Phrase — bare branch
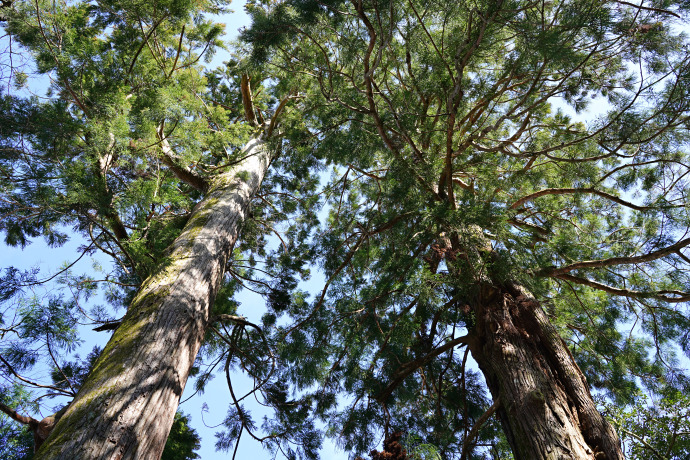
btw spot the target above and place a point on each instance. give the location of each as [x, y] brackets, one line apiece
[408, 368]
[248, 100]
[573, 191]
[675, 248]
[108, 326]
[475, 428]
[235, 319]
[648, 8]
[274, 118]
[171, 161]
[17, 417]
[32, 383]
[660, 295]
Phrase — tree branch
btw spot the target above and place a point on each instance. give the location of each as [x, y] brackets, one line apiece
[408, 368]
[108, 326]
[476, 427]
[572, 191]
[104, 162]
[648, 8]
[37, 385]
[248, 100]
[145, 41]
[235, 319]
[643, 442]
[522, 224]
[171, 161]
[17, 417]
[279, 109]
[675, 248]
[660, 295]
[369, 68]
[179, 49]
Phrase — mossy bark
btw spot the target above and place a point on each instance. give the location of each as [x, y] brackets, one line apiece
[546, 409]
[126, 407]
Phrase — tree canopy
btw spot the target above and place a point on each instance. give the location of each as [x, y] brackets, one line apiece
[502, 235]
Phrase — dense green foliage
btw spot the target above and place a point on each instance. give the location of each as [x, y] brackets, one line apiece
[655, 429]
[552, 135]
[183, 440]
[502, 141]
[16, 441]
[134, 127]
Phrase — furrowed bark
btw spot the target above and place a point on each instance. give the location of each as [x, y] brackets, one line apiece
[125, 408]
[546, 409]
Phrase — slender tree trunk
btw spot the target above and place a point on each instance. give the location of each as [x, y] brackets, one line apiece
[546, 409]
[126, 407]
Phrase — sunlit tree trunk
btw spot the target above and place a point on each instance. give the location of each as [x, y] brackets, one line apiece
[546, 409]
[126, 407]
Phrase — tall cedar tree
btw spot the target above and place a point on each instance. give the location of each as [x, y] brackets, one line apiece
[470, 200]
[153, 163]
[466, 203]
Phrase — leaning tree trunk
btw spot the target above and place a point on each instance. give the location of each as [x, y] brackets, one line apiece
[546, 409]
[125, 408]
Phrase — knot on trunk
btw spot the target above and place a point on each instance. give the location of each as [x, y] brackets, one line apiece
[42, 429]
[599, 454]
[392, 449]
[526, 302]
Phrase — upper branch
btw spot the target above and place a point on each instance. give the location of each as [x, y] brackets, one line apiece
[658, 254]
[572, 191]
[369, 68]
[660, 295]
[169, 158]
[248, 100]
[408, 368]
[648, 8]
[32, 383]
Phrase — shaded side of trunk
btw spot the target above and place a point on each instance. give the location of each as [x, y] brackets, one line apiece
[126, 407]
[546, 409]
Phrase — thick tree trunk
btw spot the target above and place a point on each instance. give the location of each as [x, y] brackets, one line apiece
[546, 409]
[126, 407]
